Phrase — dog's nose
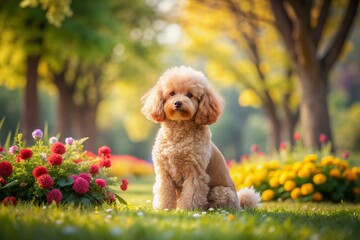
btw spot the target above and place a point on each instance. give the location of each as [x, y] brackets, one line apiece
[177, 104]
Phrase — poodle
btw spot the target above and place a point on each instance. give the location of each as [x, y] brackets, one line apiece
[191, 173]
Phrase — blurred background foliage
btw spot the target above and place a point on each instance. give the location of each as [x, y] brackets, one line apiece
[82, 66]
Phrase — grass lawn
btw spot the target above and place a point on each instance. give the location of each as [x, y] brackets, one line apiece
[138, 221]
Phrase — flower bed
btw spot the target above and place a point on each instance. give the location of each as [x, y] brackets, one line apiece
[56, 172]
[316, 177]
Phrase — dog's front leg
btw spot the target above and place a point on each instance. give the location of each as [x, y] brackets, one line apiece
[194, 192]
[164, 192]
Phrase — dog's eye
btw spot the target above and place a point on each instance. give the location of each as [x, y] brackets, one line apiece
[172, 93]
[189, 95]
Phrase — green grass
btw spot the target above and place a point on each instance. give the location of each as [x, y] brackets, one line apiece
[139, 221]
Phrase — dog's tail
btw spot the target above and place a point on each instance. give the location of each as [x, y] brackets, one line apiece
[248, 198]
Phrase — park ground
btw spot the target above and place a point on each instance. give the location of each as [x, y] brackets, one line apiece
[274, 220]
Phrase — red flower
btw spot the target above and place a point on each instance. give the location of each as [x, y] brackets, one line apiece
[105, 163]
[323, 138]
[124, 184]
[254, 148]
[346, 154]
[104, 151]
[81, 186]
[296, 136]
[54, 195]
[9, 201]
[1, 149]
[85, 176]
[55, 159]
[3, 182]
[45, 181]
[26, 153]
[100, 182]
[39, 170]
[94, 169]
[5, 169]
[58, 148]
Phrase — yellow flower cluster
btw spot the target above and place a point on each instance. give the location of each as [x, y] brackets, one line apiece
[313, 178]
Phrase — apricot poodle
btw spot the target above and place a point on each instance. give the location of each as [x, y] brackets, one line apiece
[191, 172]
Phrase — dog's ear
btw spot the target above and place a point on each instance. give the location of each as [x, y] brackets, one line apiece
[153, 104]
[210, 107]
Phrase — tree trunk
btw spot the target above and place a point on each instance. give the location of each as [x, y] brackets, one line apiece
[30, 112]
[86, 125]
[314, 112]
[66, 109]
[273, 141]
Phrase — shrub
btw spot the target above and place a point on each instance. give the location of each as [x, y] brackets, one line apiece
[55, 172]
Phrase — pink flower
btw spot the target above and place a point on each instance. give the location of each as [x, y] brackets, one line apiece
[39, 170]
[283, 145]
[346, 154]
[6, 169]
[124, 184]
[105, 163]
[45, 181]
[100, 182]
[54, 195]
[9, 201]
[104, 151]
[254, 148]
[55, 159]
[85, 176]
[296, 136]
[58, 148]
[323, 138]
[81, 186]
[94, 169]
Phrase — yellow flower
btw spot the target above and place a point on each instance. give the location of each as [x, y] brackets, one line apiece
[344, 164]
[274, 182]
[249, 180]
[267, 195]
[303, 173]
[349, 175]
[319, 179]
[273, 164]
[289, 185]
[310, 167]
[356, 190]
[310, 158]
[356, 171]
[283, 177]
[230, 217]
[306, 189]
[328, 160]
[335, 173]
[317, 197]
[297, 165]
[295, 193]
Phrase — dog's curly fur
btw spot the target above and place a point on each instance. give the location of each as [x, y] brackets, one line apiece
[191, 172]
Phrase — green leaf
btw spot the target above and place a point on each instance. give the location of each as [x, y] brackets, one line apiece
[85, 201]
[121, 200]
[10, 184]
[65, 181]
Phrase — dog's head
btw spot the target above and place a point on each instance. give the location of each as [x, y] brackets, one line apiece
[182, 93]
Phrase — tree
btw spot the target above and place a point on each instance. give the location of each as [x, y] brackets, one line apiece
[29, 23]
[261, 71]
[303, 35]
